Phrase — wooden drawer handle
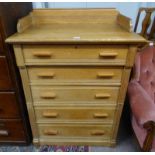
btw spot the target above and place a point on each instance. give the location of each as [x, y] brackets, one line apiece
[42, 54]
[100, 115]
[45, 75]
[105, 75]
[4, 133]
[50, 114]
[101, 96]
[48, 95]
[97, 133]
[50, 132]
[108, 55]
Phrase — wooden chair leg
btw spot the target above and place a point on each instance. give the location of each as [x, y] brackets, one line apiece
[150, 127]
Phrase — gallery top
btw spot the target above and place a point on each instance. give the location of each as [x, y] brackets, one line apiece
[99, 26]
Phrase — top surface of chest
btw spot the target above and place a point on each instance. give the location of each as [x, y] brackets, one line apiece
[75, 26]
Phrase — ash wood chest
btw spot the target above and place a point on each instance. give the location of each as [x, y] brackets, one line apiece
[75, 66]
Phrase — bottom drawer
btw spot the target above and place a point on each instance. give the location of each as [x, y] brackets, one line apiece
[11, 131]
[72, 130]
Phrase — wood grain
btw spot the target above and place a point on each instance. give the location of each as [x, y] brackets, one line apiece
[72, 94]
[63, 130]
[76, 26]
[74, 54]
[125, 22]
[65, 74]
[75, 74]
[102, 114]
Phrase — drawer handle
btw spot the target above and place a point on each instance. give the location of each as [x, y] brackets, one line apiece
[4, 133]
[42, 54]
[48, 95]
[101, 96]
[50, 132]
[45, 75]
[100, 115]
[97, 133]
[108, 55]
[105, 75]
[50, 114]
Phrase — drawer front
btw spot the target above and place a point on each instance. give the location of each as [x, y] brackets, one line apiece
[8, 105]
[75, 54]
[65, 130]
[1, 40]
[72, 94]
[11, 131]
[75, 113]
[75, 74]
[1, 45]
[5, 79]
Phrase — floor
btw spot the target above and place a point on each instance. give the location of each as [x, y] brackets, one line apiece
[126, 142]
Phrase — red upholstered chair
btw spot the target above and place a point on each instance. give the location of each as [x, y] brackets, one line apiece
[141, 92]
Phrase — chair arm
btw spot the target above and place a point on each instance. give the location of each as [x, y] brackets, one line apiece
[142, 106]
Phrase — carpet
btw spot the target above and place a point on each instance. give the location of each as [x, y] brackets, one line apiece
[64, 148]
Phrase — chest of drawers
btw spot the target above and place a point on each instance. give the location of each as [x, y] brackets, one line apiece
[14, 123]
[75, 66]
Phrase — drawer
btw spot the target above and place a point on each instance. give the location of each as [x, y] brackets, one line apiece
[1, 40]
[5, 79]
[8, 105]
[11, 131]
[75, 74]
[1, 45]
[69, 130]
[107, 54]
[73, 94]
[102, 114]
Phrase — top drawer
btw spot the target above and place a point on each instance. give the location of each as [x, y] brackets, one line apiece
[80, 54]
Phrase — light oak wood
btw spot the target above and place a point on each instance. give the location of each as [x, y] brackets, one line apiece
[45, 16]
[72, 94]
[48, 95]
[71, 114]
[19, 55]
[75, 54]
[75, 66]
[62, 130]
[24, 23]
[65, 74]
[125, 22]
[75, 26]
[42, 54]
[50, 132]
[47, 114]
[121, 98]
[108, 55]
[102, 95]
[81, 141]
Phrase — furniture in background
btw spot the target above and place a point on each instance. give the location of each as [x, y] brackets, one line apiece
[146, 23]
[14, 122]
[141, 92]
[75, 66]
